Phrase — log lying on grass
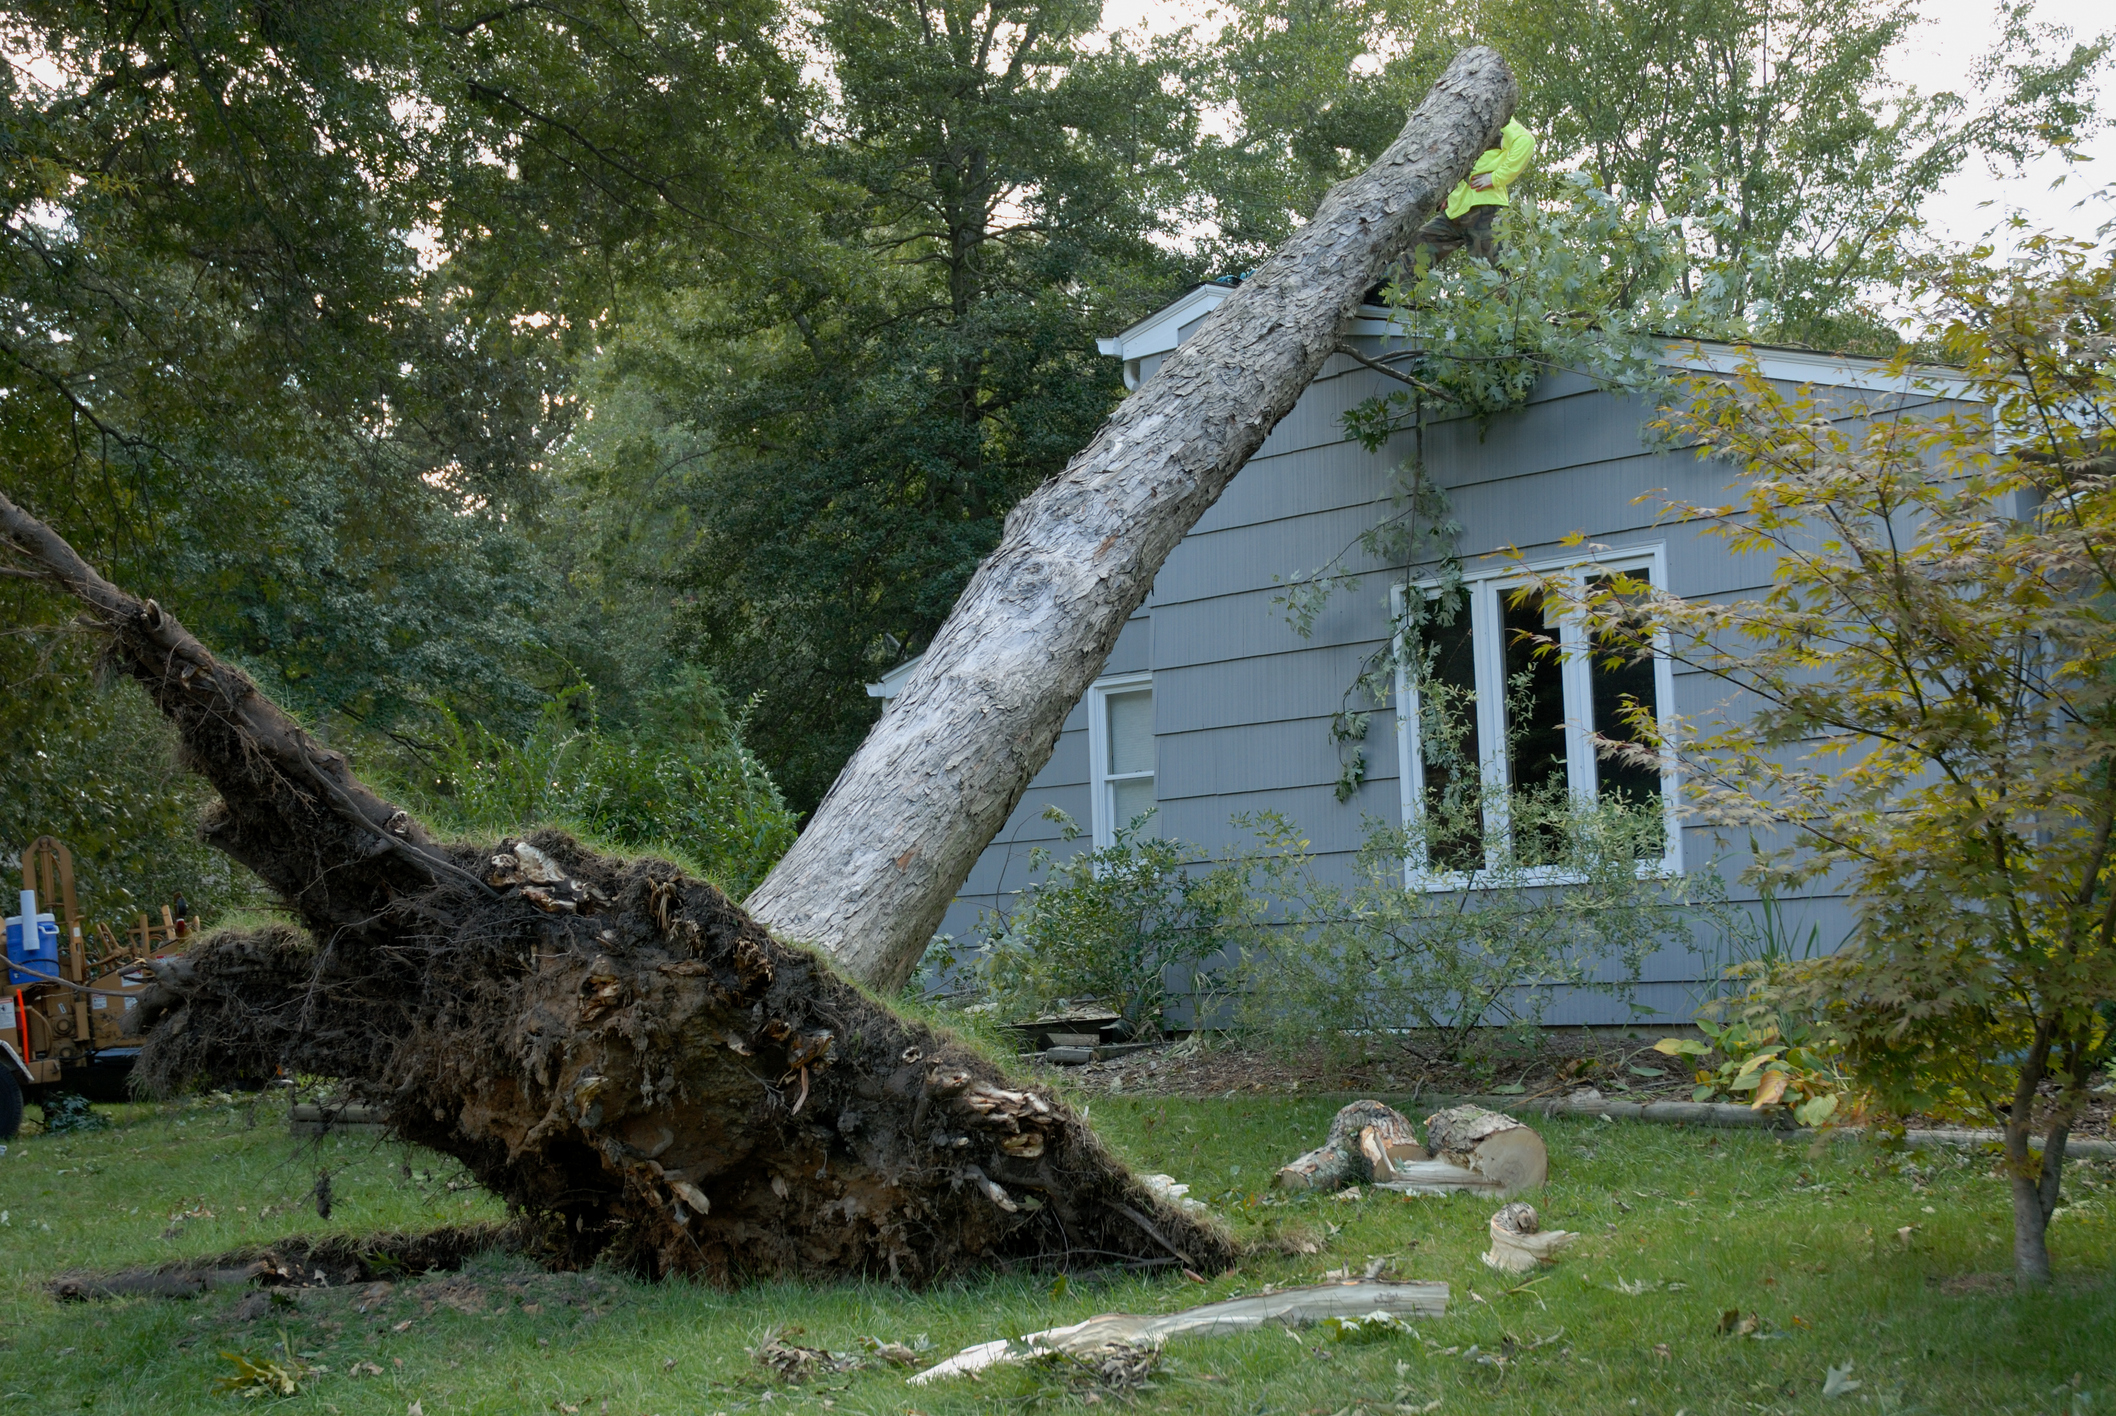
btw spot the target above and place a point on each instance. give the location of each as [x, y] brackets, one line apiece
[1504, 1155]
[1467, 1150]
[1289, 1307]
[621, 1053]
[1366, 1139]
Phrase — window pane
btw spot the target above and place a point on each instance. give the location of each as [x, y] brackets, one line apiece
[1535, 728]
[1131, 731]
[1134, 797]
[1445, 672]
[1620, 683]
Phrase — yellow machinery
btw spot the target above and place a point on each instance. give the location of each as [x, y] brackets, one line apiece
[68, 990]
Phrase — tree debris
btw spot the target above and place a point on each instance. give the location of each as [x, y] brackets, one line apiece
[1353, 1298]
[1475, 1150]
[1469, 1150]
[1365, 1141]
[1520, 1244]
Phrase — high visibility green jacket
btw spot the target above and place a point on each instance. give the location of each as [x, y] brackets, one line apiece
[1505, 163]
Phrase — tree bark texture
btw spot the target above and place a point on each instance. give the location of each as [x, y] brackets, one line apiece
[937, 777]
[635, 1065]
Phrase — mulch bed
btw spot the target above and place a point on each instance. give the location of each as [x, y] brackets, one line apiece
[1617, 1062]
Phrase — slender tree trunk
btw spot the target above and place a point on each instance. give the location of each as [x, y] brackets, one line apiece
[936, 779]
[2034, 1180]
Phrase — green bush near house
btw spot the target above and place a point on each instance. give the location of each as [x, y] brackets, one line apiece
[1135, 925]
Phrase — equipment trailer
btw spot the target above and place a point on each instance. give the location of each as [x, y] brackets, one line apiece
[68, 991]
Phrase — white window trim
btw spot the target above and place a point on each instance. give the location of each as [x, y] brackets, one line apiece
[1102, 804]
[1488, 655]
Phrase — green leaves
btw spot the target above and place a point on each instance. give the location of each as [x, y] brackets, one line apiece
[1134, 925]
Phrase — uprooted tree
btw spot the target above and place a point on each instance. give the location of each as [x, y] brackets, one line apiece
[630, 1061]
[636, 1065]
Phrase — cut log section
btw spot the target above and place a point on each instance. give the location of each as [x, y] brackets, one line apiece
[1367, 1141]
[618, 1051]
[1520, 1244]
[1352, 1298]
[1506, 1156]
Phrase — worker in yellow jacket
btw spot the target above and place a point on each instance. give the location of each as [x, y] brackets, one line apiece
[1467, 218]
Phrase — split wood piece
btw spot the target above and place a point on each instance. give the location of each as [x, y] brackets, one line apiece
[1292, 1307]
[1490, 1144]
[1520, 1244]
[1367, 1142]
[938, 775]
[619, 1052]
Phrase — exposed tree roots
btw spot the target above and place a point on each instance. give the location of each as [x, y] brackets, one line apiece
[637, 1067]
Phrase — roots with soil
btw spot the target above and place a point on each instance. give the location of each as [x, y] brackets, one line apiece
[636, 1066]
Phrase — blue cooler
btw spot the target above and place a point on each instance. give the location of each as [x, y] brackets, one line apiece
[40, 951]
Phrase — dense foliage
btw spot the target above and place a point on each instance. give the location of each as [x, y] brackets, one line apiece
[677, 781]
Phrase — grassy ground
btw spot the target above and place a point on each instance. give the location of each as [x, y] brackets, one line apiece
[1847, 1259]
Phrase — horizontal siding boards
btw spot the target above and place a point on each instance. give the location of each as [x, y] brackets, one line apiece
[1132, 654]
[1275, 488]
[1305, 684]
[1248, 625]
[1264, 554]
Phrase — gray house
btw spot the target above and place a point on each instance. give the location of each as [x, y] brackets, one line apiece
[1212, 704]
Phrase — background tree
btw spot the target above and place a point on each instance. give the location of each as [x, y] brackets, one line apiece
[1923, 706]
[844, 431]
[1770, 133]
[289, 291]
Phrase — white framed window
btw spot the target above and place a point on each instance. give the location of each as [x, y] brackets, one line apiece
[1120, 749]
[1525, 720]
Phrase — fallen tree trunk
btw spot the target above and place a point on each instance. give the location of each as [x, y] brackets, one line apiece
[936, 779]
[634, 1064]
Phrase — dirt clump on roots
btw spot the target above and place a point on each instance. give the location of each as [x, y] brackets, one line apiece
[638, 1068]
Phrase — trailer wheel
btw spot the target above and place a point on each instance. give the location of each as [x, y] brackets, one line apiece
[10, 1102]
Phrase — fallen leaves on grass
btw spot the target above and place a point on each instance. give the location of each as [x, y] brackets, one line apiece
[1119, 1371]
[1367, 1329]
[258, 1376]
[1632, 1288]
[790, 1362]
[1839, 1381]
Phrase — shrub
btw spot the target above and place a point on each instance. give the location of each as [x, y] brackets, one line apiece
[1133, 926]
[1928, 694]
[1434, 963]
[679, 781]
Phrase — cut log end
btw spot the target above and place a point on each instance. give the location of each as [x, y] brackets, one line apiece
[1511, 1157]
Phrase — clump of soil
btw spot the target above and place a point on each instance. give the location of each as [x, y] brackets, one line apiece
[630, 1061]
[303, 1261]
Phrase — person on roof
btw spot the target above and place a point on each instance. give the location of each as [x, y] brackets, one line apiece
[1467, 218]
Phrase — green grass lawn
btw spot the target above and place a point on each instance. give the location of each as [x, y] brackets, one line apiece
[1679, 1227]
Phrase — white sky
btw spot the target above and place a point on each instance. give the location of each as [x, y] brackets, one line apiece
[1939, 55]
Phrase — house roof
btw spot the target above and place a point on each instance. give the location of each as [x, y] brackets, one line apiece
[1161, 331]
